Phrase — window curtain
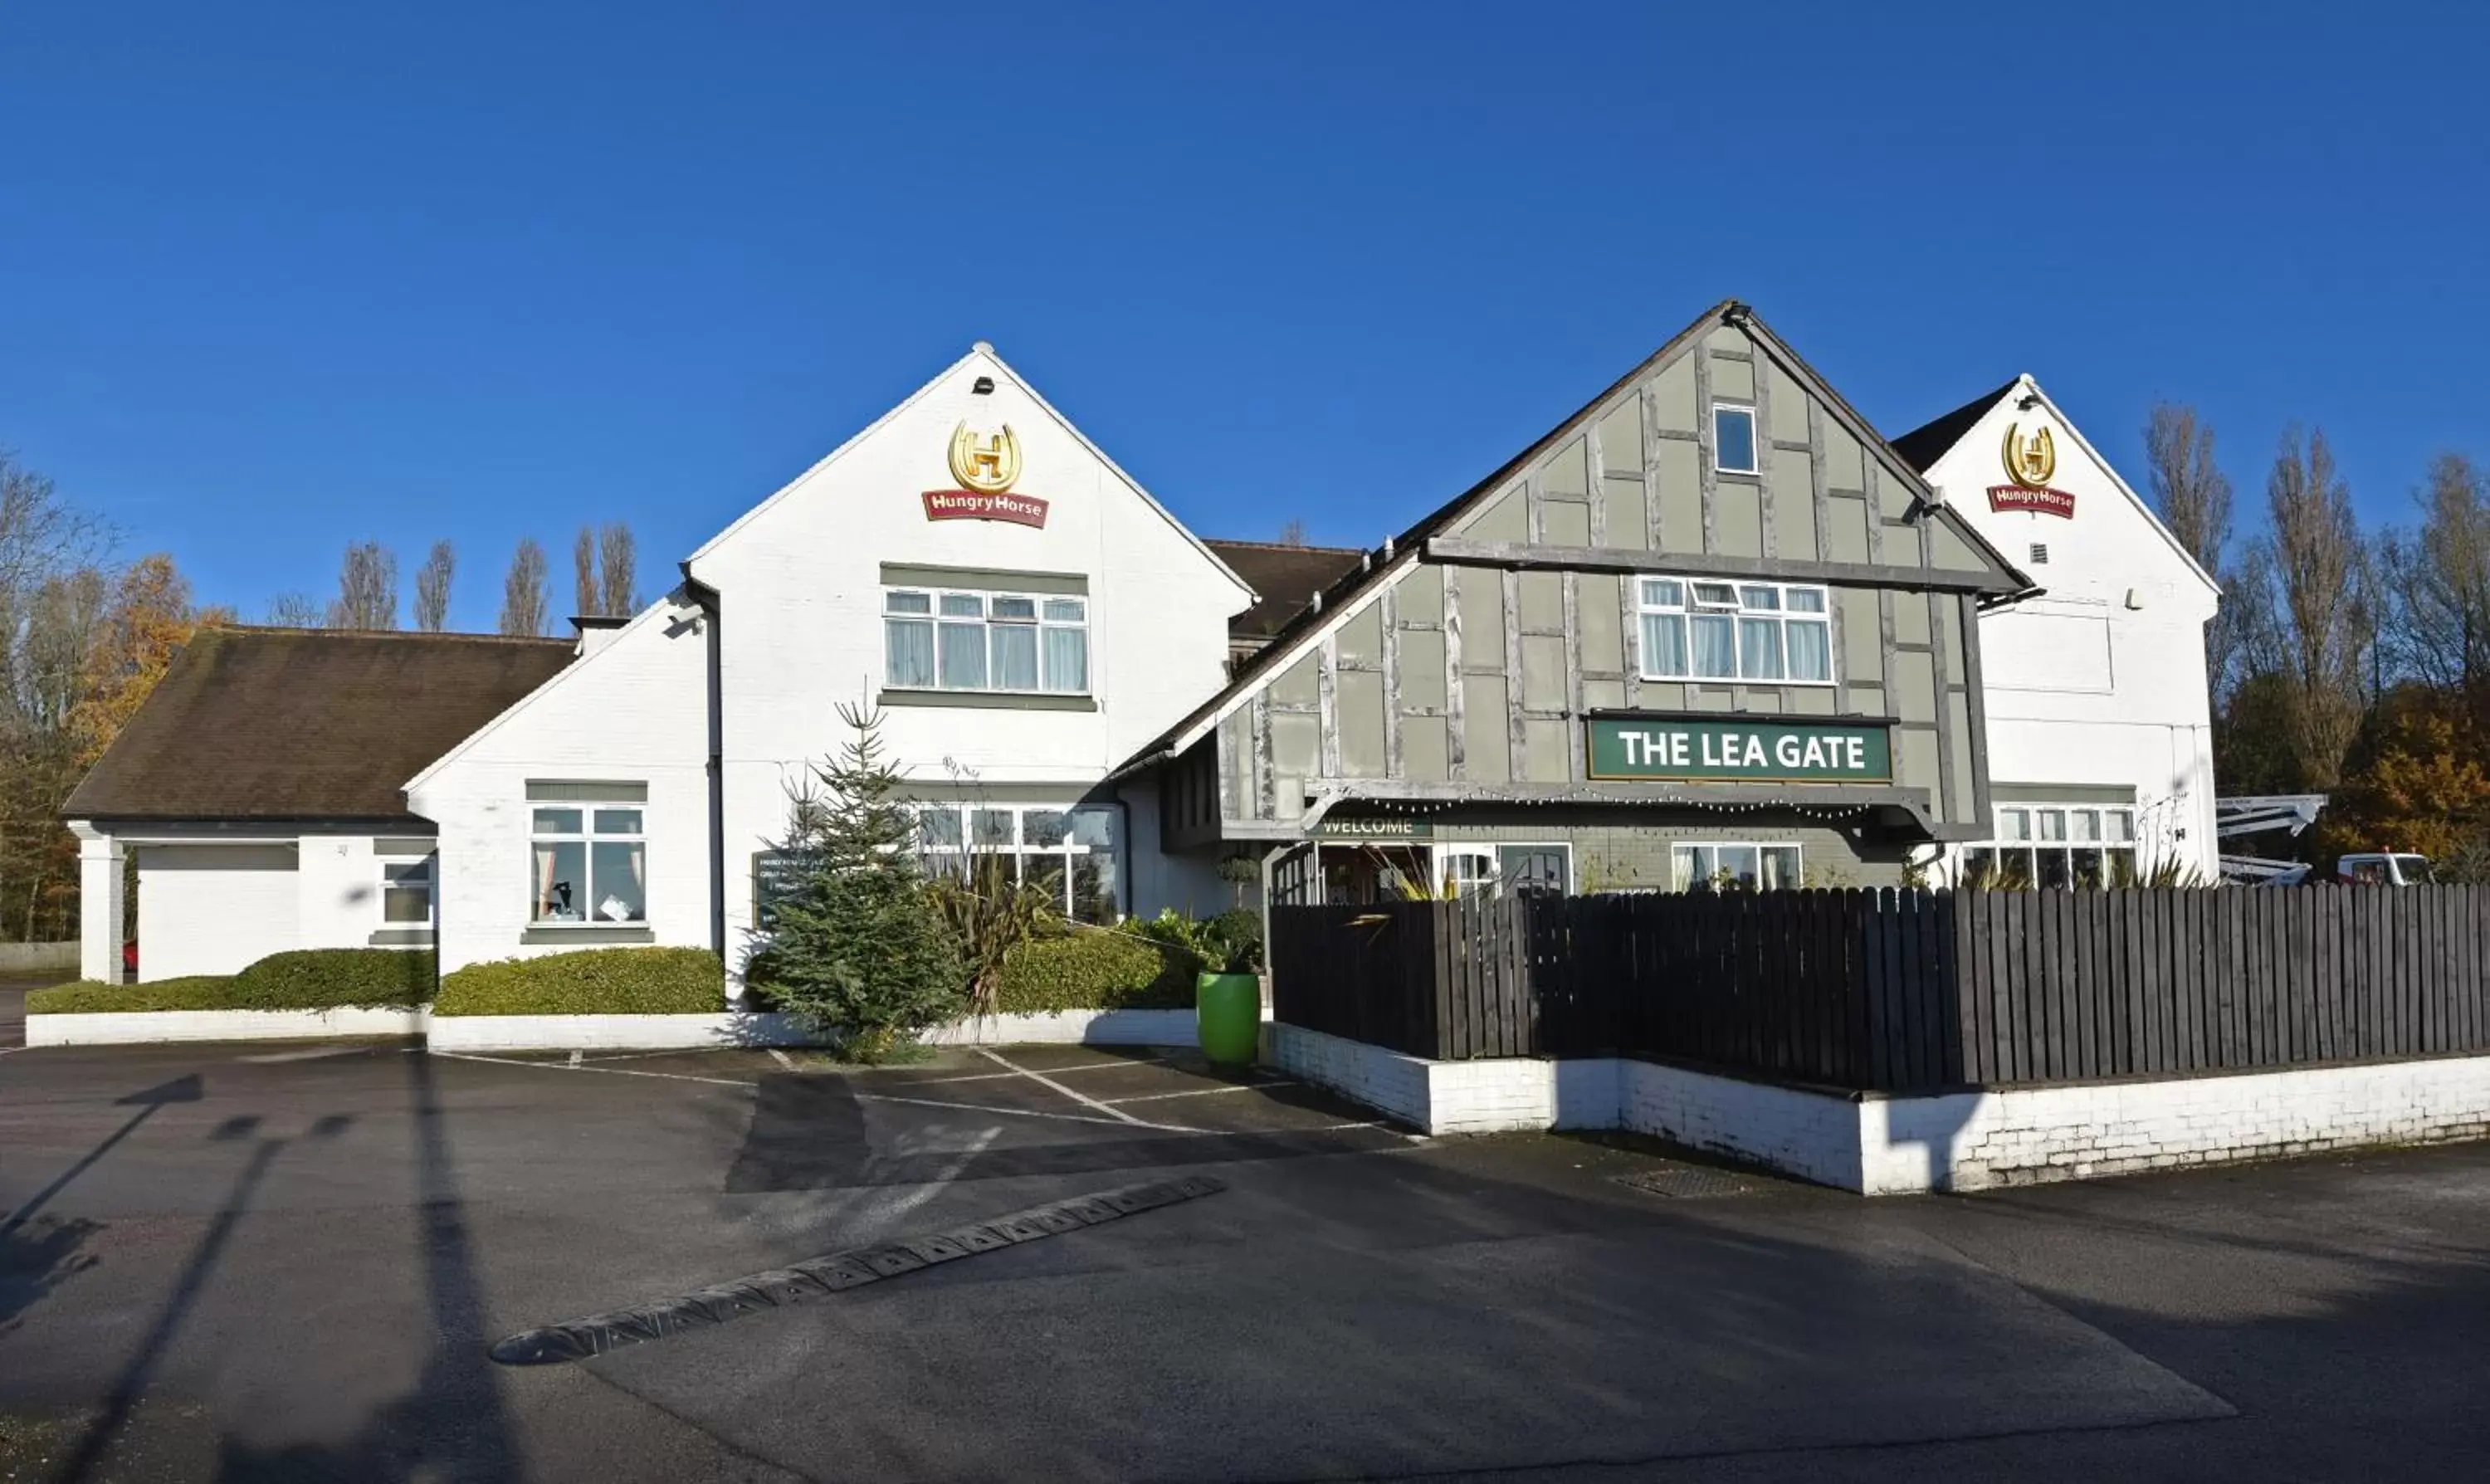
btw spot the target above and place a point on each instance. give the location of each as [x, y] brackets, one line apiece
[1716, 647]
[1760, 642]
[1810, 651]
[545, 882]
[911, 647]
[964, 656]
[1663, 644]
[1067, 659]
[1015, 656]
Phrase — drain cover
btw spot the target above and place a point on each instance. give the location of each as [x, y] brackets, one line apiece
[1685, 1183]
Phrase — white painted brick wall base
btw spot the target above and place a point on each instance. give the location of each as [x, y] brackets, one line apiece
[1905, 1145]
[139, 1028]
[588, 1032]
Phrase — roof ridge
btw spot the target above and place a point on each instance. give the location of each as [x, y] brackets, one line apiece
[427, 636]
[1223, 541]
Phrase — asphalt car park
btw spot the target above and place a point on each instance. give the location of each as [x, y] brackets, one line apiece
[290, 1261]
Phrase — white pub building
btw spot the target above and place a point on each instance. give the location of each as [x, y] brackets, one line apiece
[1711, 627]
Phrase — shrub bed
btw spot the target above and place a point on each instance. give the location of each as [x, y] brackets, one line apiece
[326, 978]
[305, 979]
[1097, 971]
[88, 997]
[590, 981]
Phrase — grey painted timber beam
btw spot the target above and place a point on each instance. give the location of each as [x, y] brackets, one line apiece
[1678, 563]
[1390, 603]
[1516, 736]
[1456, 707]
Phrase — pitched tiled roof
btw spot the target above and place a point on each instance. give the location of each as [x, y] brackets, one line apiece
[281, 723]
[1283, 578]
[1925, 443]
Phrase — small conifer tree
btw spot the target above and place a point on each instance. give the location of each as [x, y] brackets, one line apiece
[858, 946]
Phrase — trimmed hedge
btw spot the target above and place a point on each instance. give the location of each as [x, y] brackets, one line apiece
[1097, 971]
[325, 978]
[305, 979]
[590, 981]
[88, 997]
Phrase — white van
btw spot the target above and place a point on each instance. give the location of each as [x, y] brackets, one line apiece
[2383, 870]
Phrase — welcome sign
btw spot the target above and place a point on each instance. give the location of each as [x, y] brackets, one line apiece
[1738, 748]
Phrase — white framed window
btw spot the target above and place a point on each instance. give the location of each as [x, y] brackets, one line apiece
[588, 863]
[1035, 643]
[1706, 628]
[2055, 845]
[1733, 439]
[406, 892]
[1073, 853]
[1747, 865]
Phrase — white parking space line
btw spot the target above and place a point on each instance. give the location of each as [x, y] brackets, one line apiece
[782, 1059]
[1001, 1112]
[900, 1206]
[312, 1054]
[1082, 1098]
[1052, 1071]
[1238, 1086]
[611, 1072]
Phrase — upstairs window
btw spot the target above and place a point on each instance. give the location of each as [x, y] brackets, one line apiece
[1733, 439]
[986, 641]
[1711, 630]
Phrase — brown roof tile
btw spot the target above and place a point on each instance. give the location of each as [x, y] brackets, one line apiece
[1283, 579]
[262, 723]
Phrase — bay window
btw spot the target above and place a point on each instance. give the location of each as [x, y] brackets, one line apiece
[1715, 630]
[961, 640]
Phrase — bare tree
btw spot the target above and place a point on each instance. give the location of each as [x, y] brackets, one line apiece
[618, 558]
[40, 534]
[1292, 532]
[523, 591]
[2320, 636]
[2194, 499]
[2437, 580]
[432, 587]
[366, 588]
[583, 567]
[295, 610]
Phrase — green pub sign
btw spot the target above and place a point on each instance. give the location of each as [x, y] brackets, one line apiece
[1738, 748]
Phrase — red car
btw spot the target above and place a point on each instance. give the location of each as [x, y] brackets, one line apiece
[129, 958]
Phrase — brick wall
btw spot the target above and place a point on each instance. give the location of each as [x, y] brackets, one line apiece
[1906, 1145]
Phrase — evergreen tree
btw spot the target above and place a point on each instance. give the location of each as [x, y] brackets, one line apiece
[858, 946]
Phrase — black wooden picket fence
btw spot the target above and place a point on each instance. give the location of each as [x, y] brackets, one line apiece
[1905, 991]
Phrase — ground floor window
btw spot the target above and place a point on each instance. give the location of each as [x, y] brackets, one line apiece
[1354, 875]
[1074, 853]
[2055, 845]
[588, 863]
[406, 893]
[1761, 865]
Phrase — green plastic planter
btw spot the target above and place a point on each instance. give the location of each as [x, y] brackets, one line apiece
[1228, 1014]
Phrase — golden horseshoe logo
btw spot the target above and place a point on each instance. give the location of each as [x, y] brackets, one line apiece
[986, 463]
[2030, 461]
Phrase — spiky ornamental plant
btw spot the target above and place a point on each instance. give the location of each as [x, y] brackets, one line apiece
[858, 946]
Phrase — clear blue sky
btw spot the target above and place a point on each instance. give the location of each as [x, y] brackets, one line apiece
[277, 277]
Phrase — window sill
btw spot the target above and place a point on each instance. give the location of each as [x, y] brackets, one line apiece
[588, 934]
[986, 699]
[401, 937]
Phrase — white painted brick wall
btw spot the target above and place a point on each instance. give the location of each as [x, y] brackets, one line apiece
[1969, 1140]
[1895, 1145]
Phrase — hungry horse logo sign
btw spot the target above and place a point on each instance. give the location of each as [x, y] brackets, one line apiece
[2030, 463]
[986, 464]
